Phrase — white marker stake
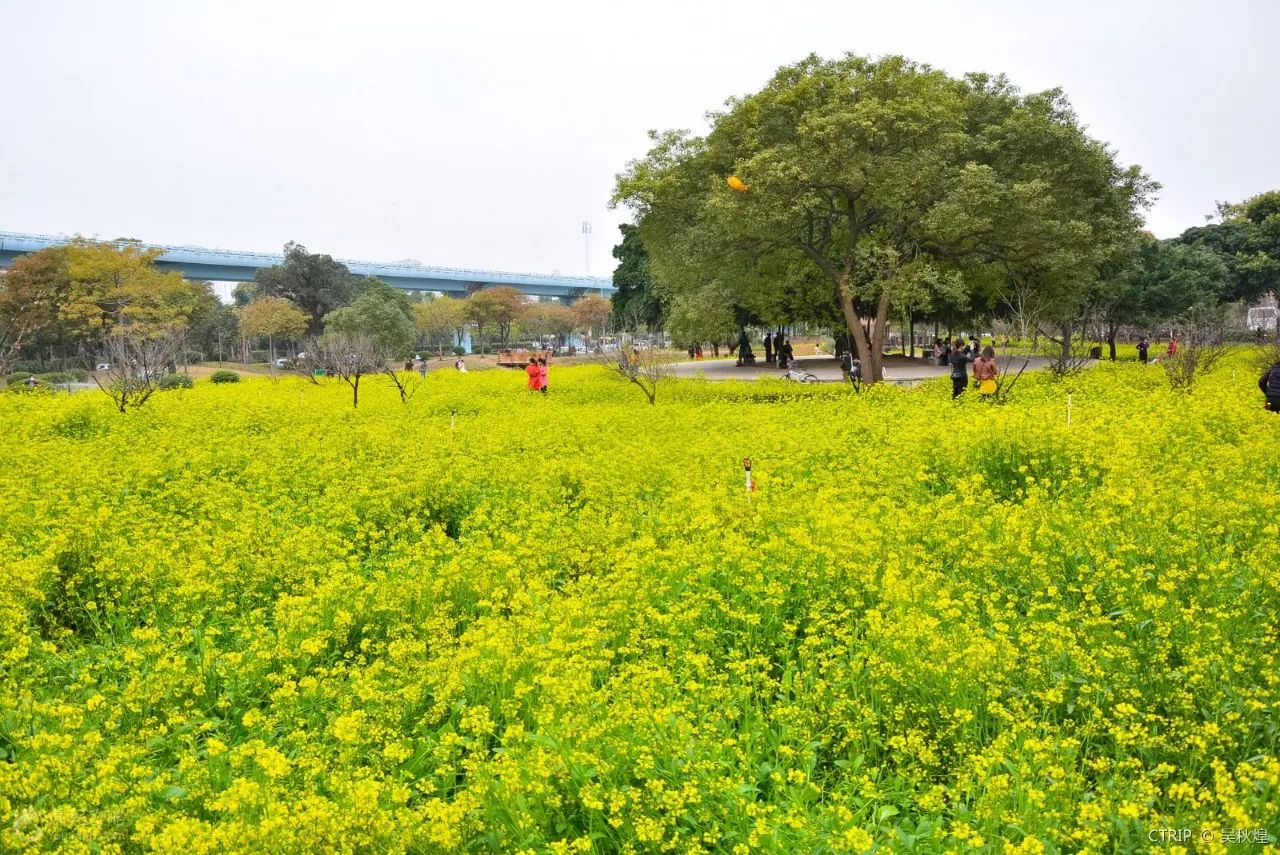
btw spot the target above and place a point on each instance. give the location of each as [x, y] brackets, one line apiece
[746, 468]
[1068, 409]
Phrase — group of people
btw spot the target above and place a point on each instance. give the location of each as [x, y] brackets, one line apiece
[944, 347]
[420, 363]
[1144, 349]
[777, 350]
[985, 370]
[537, 373]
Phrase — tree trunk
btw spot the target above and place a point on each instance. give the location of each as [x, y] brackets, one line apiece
[872, 368]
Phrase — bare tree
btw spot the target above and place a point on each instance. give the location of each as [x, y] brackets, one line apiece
[1266, 354]
[1022, 320]
[349, 358]
[1203, 344]
[407, 382]
[136, 363]
[1067, 353]
[645, 368]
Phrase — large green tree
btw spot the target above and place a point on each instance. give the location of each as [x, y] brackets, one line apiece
[1248, 241]
[884, 183]
[1155, 282]
[701, 317]
[637, 304]
[316, 284]
[382, 314]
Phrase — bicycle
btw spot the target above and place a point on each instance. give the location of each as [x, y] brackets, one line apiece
[799, 375]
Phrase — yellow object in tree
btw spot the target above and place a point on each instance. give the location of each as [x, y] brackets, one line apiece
[736, 183]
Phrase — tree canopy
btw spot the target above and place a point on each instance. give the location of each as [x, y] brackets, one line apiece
[314, 283]
[637, 305]
[439, 319]
[592, 313]
[500, 307]
[1248, 241]
[865, 184]
[381, 313]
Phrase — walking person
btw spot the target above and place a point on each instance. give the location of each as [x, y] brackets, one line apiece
[542, 374]
[985, 372]
[846, 366]
[959, 369]
[1270, 386]
[787, 354]
[534, 374]
[768, 348]
[1172, 350]
[1144, 347]
[422, 367]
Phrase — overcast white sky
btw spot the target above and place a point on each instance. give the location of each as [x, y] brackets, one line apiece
[478, 134]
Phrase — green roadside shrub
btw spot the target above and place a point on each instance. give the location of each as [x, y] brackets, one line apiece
[54, 378]
[176, 381]
[224, 377]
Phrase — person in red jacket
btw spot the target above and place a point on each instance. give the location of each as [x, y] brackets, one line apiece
[542, 374]
[534, 374]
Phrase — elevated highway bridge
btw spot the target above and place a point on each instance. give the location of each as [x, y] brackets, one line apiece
[219, 265]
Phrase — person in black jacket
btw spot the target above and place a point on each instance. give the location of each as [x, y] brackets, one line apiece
[1269, 384]
[959, 369]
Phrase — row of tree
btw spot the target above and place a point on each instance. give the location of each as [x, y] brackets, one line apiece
[307, 295]
[855, 192]
[60, 306]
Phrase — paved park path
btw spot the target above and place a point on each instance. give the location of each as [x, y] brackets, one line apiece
[897, 369]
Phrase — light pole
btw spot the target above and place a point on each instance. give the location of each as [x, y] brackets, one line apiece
[586, 239]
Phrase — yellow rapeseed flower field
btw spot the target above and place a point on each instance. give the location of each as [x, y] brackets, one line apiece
[248, 618]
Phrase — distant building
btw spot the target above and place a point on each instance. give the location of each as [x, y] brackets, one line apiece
[1264, 316]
